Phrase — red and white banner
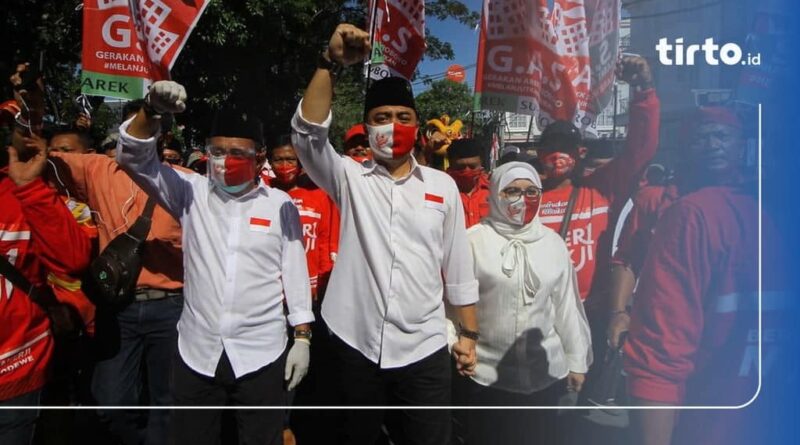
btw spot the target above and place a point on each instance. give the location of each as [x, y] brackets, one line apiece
[129, 44]
[397, 33]
[556, 65]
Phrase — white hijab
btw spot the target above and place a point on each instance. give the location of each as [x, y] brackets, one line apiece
[515, 252]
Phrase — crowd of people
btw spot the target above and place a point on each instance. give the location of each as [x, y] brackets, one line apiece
[277, 271]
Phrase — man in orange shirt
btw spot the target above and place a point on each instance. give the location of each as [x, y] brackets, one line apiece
[143, 335]
[466, 168]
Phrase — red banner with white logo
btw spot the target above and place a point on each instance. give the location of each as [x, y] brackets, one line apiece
[397, 33]
[535, 61]
[129, 44]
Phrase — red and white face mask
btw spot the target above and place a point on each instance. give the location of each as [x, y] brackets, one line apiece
[231, 174]
[391, 141]
[286, 174]
[557, 164]
[522, 211]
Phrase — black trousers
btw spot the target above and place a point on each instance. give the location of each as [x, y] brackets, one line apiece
[512, 426]
[424, 383]
[263, 387]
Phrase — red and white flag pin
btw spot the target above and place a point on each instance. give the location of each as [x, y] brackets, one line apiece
[259, 224]
[434, 201]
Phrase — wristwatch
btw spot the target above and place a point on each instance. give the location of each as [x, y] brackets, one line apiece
[472, 335]
[324, 62]
[303, 333]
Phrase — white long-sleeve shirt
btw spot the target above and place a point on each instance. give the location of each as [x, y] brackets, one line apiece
[241, 256]
[402, 248]
[527, 345]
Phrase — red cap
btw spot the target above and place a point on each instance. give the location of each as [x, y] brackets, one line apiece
[709, 115]
[355, 130]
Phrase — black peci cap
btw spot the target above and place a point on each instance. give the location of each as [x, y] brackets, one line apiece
[561, 135]
[464, 148]
[389, 91]
[235, 123]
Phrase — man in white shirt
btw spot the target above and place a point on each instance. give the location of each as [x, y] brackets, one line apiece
[402, 249]
[243, 254]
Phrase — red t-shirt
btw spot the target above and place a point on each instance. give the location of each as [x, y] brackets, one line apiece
[694, 326]
[320, 220]
[634, 239]
[602, 195]
[37, 234]
[476, 204]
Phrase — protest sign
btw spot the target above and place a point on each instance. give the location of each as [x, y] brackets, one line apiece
[397, 33]
[128, 45]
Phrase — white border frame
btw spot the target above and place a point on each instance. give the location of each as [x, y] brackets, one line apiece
[580, 407]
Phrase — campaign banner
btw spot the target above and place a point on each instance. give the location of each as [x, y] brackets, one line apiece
[767, 58]
[539, 62]
[397, 33]
[603, 21]
[129, 44]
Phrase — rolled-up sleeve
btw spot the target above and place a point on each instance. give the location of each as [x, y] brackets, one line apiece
[139, 159]
[294, 271]
[320, 161]
[461, 287]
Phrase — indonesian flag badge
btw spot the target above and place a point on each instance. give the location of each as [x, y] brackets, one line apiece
[260, 224]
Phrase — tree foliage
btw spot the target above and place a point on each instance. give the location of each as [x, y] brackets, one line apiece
[445, 97]
[258, 54]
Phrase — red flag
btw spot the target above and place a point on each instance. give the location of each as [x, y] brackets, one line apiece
[397, 33]
[127, 45]
[535, 61]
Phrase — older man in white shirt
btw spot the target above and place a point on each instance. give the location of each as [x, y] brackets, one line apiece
[243, 253]
[402, 249]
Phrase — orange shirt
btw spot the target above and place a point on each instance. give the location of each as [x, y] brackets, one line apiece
[476, 204]
[116, 201]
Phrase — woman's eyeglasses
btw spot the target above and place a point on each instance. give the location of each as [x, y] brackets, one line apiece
[515, 193]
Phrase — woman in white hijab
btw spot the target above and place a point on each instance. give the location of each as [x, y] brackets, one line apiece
[534, 334]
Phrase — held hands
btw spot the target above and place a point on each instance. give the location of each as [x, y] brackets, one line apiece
[348, 45]
[34, 153]
[635, 71]
[166, 96]
[297, 363]
[465, 356]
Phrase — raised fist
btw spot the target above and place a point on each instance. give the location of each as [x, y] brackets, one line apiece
[635, 71]
[348, 45]
[166, 96]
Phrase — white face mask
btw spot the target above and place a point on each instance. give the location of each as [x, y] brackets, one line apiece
[520, 212]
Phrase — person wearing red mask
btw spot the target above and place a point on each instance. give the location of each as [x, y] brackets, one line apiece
[245, 273]
[317, 212]
[598, 198]
[403, 251]
[466, 168]
[535, 337]
[356, 144]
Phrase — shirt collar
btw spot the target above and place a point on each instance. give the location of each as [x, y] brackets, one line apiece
[370, 166]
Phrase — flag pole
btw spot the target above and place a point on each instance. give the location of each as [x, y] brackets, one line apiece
[372, 25]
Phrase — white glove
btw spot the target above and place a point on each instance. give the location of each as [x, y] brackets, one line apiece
[297, 363]
[166, 96]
